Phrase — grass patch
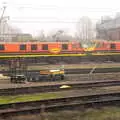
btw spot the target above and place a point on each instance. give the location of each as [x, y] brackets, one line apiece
[105, 113]
[30, 97]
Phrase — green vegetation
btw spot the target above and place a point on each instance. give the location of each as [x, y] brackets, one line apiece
[30, 97]
[106, 113]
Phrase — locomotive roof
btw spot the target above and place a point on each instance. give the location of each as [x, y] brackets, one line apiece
[32, 42]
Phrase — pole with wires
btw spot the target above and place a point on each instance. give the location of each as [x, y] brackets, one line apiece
[1, 18]
[4, 8]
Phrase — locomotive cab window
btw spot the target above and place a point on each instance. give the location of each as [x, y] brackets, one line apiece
[34, 47]
[2, 47]
[112, 46]
[44, 47]
[64, 46]
[22, 47]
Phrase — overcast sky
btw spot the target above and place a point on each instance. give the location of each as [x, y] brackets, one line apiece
[35, 15]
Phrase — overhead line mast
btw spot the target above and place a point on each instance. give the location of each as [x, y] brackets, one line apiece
[4, 8]
[1, 17]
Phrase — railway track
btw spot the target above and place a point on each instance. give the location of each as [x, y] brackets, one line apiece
[56, 87]
[83, 101]
[96, 70]
[75, 71]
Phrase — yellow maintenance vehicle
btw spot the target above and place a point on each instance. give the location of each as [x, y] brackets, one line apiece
[42, 75]
[20, 74]
[49, 74]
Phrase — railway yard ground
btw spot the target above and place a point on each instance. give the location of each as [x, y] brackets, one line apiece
[59, 94]
[85, 96]
[75, 71]
[98, 92]
[105, 113]
[5, 81]
[82, 65]
[77, 66]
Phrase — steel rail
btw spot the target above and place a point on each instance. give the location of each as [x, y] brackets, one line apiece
[75, 71]
[60, 104]
[56, 87]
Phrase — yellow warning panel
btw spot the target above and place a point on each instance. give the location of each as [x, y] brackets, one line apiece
[55, 50]
[41, 55]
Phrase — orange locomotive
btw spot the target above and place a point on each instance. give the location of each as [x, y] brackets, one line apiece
[57, 47]
[106, 46]
[40, 47]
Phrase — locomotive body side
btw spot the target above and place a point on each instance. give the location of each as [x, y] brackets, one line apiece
[100, 46]
[114, 46]
[40, 48]
[106, 46]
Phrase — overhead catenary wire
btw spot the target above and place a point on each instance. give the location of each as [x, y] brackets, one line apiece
[47, 7]
[53, 18]
[55, 7]
[39, 6]
[43, 21]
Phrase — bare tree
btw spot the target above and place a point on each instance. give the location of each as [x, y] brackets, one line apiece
[57, 36]
[61, 35]
[85, 29]
[41, 36]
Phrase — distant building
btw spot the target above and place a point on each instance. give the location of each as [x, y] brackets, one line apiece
[109, 29]
[22, 37]
[7, 32]
[13, 34]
